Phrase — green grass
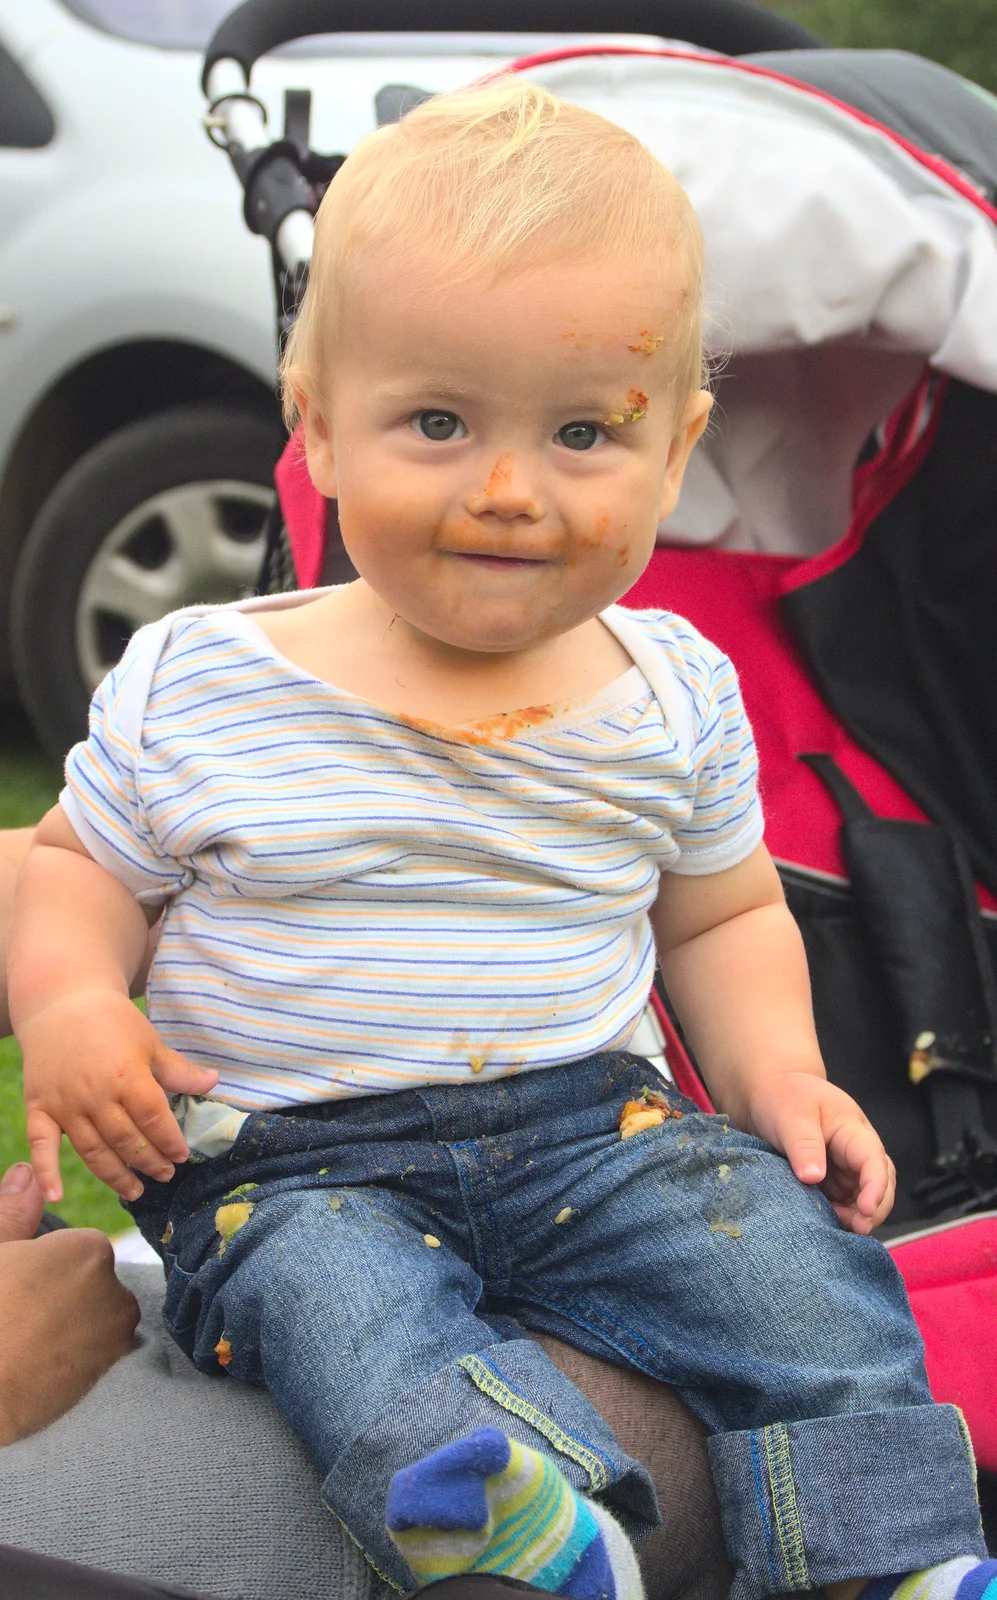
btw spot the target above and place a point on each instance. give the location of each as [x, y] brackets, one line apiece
[29, 785]
[29, 781]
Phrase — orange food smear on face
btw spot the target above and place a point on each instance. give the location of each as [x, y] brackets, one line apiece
[637, 406]
[649, 343]
[501, 473]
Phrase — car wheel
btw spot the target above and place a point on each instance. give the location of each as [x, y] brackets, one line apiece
[164, 513]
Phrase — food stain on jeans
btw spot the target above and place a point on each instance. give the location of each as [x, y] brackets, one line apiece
[230, 1218]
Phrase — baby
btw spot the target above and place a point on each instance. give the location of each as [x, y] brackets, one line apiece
[419, 839]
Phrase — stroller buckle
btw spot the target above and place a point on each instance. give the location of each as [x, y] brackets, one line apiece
[964, 1178]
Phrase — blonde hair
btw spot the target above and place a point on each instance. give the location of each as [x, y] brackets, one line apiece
[494, 180]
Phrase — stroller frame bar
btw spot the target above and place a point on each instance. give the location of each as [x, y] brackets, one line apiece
[280, 202]
[732, 27]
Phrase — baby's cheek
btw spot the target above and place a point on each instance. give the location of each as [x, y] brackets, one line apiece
[379, 517]
[607, 534]
[598, 533]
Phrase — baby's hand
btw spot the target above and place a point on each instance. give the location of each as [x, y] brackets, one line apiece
[827, 1140]
[96, 1069]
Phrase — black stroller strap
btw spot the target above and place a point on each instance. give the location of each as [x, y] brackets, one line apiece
[850, 803]
[913, 891]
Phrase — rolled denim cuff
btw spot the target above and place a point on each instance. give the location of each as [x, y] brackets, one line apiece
[809, 1503]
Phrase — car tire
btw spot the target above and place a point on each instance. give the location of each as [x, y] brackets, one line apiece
[166, 512]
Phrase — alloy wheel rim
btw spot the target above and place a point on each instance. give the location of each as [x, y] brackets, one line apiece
[198, 542]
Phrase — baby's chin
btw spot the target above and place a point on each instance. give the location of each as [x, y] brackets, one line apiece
[490, 631]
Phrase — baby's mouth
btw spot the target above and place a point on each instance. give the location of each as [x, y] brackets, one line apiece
[497, 561]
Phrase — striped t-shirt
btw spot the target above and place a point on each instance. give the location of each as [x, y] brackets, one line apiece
[359, 902]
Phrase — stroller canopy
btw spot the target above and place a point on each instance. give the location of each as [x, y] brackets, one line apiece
[840, 262]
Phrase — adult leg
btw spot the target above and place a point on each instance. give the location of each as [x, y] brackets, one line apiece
[685, 1557]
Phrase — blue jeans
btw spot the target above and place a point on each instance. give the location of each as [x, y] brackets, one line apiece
[688, 1251]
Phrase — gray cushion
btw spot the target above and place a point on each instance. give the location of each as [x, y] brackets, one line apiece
[163, 1472]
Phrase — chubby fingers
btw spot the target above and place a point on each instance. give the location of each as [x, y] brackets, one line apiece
[862, 1179]
[93, 1149]
[44, 1139]
[137, 1132]
[177, 1074]
[120, 1133]
[113, 1138]
[148, 1109]
[800, 1137]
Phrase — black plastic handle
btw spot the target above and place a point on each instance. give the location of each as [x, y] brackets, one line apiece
[734, 27]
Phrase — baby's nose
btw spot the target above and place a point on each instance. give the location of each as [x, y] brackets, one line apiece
[507, 492]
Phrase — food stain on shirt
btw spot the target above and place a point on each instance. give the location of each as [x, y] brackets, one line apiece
[490, 731]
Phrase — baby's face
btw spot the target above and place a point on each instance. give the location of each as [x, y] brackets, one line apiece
[502, 454]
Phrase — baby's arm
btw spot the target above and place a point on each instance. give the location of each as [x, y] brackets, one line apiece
[735, 969]
[94, 1067]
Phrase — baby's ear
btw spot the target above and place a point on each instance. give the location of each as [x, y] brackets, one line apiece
[318, 442]
[689, 429]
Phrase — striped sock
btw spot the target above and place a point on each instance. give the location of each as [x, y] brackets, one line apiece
[965, 1578]
[490, 1504]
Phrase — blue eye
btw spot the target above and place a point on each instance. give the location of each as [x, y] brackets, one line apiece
[439, 425]
[578, 435]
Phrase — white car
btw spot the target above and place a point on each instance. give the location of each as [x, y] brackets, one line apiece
[138, 422]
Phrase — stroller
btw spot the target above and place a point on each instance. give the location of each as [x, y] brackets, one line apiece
[836, 535]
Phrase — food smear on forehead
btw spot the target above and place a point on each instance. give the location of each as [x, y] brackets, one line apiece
[581, 341]
[649, 342]
[636, 407]
[501, 473]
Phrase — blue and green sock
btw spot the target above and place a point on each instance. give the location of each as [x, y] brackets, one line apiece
[965, 1578]
[490, 1504]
